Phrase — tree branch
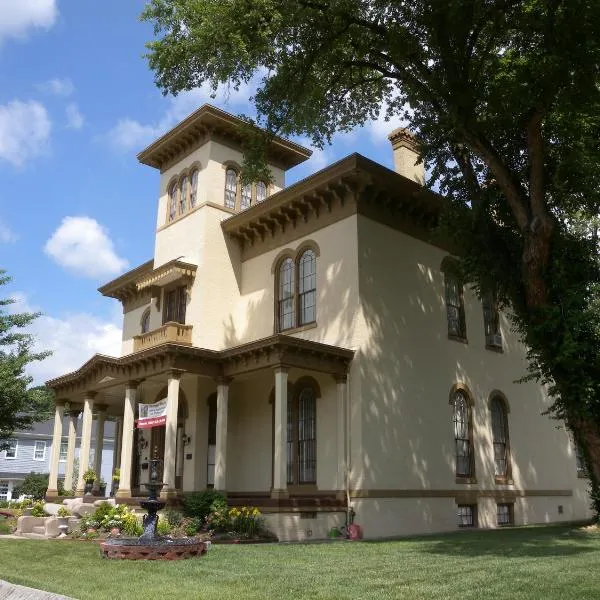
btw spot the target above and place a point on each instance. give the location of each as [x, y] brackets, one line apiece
[537, 180]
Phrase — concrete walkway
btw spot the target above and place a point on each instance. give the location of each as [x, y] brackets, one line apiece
[9, 591]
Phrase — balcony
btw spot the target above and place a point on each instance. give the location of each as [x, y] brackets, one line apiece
[173, 333]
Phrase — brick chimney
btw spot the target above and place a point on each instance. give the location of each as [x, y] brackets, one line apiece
[406, 155]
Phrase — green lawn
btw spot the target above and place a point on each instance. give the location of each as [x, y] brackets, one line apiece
[540, 562]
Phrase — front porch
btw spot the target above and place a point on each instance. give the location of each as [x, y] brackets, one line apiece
[264, 423]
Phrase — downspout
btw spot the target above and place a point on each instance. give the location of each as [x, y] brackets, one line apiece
[348, 449]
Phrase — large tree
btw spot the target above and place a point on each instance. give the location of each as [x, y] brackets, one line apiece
[20, 404]
[504, 96]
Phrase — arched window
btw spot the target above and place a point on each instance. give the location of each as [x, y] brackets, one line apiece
[230, 188]
[261, 191]
[286, 311]
[193, 188]
[183, 194]
[455, 308]
[461, 417]
[246, 200]
[500, 437]
[302, 437]
[172, 201]
[491, 320]
[145, 322]
[307, 288]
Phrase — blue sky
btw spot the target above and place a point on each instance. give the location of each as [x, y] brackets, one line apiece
[77, 102]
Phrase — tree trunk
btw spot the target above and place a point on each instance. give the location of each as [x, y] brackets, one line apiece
[536, 255]
[588, 432]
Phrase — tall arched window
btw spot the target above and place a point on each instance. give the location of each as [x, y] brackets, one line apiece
[500, 437]
[307, 288]
[246, 200]
[491, 320]
[461, 417]
[286, 310]
[145, 322]
[455, 308]
[193, 188]
[172, 201]
[261, 191]
[230, 188]
[302, 437]
[183, 194]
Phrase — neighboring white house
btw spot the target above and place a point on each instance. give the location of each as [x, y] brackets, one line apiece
[30, 452]
[317, 352]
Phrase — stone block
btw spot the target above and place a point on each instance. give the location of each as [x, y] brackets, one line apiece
[83, 510]
[51, 508]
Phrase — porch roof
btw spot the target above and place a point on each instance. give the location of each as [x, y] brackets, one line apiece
[102, 372]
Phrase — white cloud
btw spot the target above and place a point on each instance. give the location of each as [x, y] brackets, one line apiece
[17, 17]
[74, 117]
[6, 234]
[24, 131]
[72, 338]
[83, 246]
[129, 134]
[57, 86]
[379, 128]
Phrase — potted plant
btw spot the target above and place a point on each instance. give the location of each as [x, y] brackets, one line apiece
[102, 487]
[116, 478]
[89, 477]
[62, 515]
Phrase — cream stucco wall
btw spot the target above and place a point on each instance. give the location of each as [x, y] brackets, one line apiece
[407, 366]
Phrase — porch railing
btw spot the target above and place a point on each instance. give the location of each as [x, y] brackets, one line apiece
[169, 332]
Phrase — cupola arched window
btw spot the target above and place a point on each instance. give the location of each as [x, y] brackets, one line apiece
[246, 200]
[193, 188]
[261, 191]
[173, 201]
[230, 188]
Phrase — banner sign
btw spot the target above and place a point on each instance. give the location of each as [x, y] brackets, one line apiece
[152, 415]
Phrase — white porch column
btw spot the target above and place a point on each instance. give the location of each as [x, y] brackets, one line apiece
[73, 416]
[341, 434]
[86, 440]
[126, 445]
[117, 443]
[280, 441]
[100, 418]
[221, 437]
[169, 490]
[59, 407]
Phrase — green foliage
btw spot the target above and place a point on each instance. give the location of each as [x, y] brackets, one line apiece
[34, 485]
[116, 475]
[199, 504]
[89, 476]
[63, 511]
[20, 404]
[107, 517]
[173, 517]
[37, 509]
[163, 527]
[505, 98]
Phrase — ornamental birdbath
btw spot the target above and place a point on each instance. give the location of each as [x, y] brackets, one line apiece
[150, 545]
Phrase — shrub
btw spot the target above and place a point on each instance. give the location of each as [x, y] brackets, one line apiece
[63, 511]
[34, 485]
[192, 526]
[103, 509]
[199, 504]
[38, 509]
[163, 527]
[173, 517]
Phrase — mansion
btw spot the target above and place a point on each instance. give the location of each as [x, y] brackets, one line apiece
[317, 354]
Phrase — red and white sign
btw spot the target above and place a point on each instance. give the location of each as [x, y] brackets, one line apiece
[152, 415]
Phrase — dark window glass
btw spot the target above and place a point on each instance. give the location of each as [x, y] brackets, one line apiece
[183, 190]
[307, 288]
[246, 200]
[194, 188]
[500, 437]
[261, 191]
[454, 306]
[504, 514]
[175, 305]
[462, 435]
[146, 321]
[302, 438]
[491, 320]
[286, 295]
[466, 515]
[230, 188]
[172, 202]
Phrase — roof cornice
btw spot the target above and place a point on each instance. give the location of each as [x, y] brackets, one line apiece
[201, 125]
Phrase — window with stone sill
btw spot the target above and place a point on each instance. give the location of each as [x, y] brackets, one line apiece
[242, 197]
[467, 515]
[504, 514]
[175, 301]
[182, 195]
[297, 291]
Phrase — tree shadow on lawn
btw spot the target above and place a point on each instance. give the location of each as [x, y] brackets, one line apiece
[517, 543]
[531, 542]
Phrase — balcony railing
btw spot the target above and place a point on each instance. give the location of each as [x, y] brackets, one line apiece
[175, 333]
